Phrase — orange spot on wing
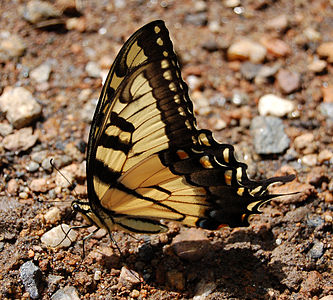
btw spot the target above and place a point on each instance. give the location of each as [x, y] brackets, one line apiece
[182, 154]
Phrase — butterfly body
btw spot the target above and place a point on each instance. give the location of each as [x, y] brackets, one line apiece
[147, 161]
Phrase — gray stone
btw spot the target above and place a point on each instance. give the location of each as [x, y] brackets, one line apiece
[269, 136]
[31, 277]
[327, 109]
[32, 167]
[317, 250]
[250, 70]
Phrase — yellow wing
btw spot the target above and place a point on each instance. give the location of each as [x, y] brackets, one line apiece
[146, 159]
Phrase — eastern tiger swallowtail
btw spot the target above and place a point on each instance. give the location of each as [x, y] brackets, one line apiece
[148, 161]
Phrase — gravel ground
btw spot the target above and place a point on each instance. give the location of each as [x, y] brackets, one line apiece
[242, 60]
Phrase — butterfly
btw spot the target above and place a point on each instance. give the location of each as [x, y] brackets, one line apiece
[147, 160]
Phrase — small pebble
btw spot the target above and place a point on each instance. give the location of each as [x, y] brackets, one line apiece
[197, 19]
[327, 93]
[268, 135]
[231, 3]
[200, 6]
[54, 279]
[78, 24]
[12, 187]
[210, 45]
[325, 155]
[327, 110]
[39, 185]
[247, 50]
[5, 129]
[302, 141]
[21, 140]
[214, 26]
[193, 82]
[288, 81]
[32, 167]
[36, 11]
[41, 73]
[219, 124]
[135, 294]
[52, 215]
[11, 45]
[128, 278]
[46, 164]
[311, 284]
[97, 275]
[66, 293]
[31, 277]
[250, 70]
[310, 160]
[20, 107]
[60, 236]
[317, 66]
[276, 47]
[314, 221]
[39, 156]
[279, 23]
[265, 73]
[275, 106]
[312, 34]
[93, 69]
[239, 98]
[325, 50]
[23, 195]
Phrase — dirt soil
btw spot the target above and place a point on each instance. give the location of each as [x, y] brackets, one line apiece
[286, 252]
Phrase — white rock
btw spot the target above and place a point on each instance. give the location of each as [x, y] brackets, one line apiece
[67, 293]
[52, 215]
[21, 140]
[20, 107]
[41, 73]
[97, 275]
[274, 106]
[247, 50]
[60, 236]
[93, 69]
[310, 160]
[5, 129]
[231, 3]
[302, 141]
[312, 34]
[11, 45]
[317, 65]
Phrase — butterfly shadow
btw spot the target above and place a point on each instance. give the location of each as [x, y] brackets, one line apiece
[239, 266]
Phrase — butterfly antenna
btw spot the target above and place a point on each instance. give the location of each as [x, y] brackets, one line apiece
[71, 185]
